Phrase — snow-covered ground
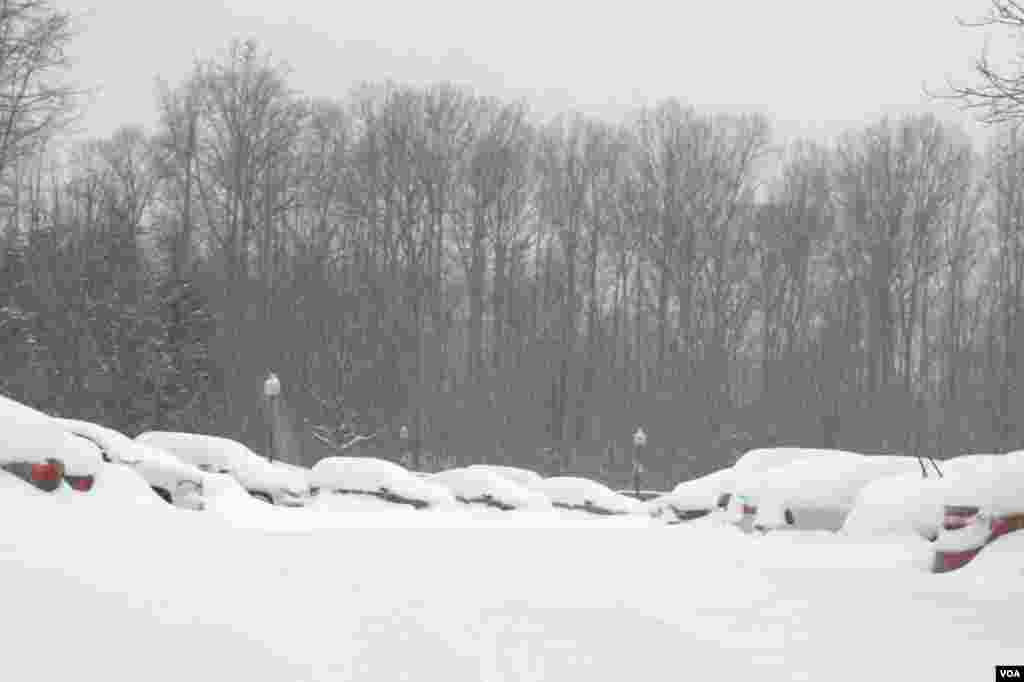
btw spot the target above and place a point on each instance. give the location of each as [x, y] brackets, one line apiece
[114, 586]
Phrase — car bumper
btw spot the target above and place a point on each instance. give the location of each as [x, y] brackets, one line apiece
[189, 496]
[950, 561]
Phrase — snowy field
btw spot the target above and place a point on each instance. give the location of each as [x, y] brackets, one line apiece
[119, 587]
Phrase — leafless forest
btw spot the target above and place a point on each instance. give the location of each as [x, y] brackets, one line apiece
[510, 289]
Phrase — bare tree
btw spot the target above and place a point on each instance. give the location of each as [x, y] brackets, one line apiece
[999, 90]
[35, 100]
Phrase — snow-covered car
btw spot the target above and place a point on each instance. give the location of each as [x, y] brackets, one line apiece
[811, 493]
[175, 481]
[356, 483]
[301, 476]
[524, 477]
[1001, 556]
[757, 460]
[481, 487]
[41, 453]
[910, 504]
[981, 503]
[691, 499]
[214, 454]
[583, 497]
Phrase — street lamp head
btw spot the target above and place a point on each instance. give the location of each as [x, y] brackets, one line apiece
[639, 438]
[272, 386]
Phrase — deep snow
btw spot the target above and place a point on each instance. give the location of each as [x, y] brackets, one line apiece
[111, 587]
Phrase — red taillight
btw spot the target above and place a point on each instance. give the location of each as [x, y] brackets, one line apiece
[958, 517]
[950, 561]
[82, 484]
[45, 473]
[749, 510]
[999, 526]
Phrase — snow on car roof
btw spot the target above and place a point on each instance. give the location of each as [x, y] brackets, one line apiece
[575, 491]
[199, 449]
[474, 483]
[119, 446]
[896, 505]
[761, 459]
[370, 474]
[700, 493]
[160, 467]
[995, 484]
[524, 477]
[831, 479]
[258, 473]
[253, 471]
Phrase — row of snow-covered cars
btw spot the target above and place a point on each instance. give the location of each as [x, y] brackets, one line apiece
[50, 452]
[187, 470]
[961, 505]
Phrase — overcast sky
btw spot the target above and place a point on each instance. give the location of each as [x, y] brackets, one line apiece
[816, 67]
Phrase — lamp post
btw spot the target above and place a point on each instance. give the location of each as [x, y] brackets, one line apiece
[271, 391]
[403, 434]
[639, 441]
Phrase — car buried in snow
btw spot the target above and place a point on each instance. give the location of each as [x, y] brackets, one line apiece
[814, 492]
[217, 455]
[581, 498]
[174, 481]
[42, 454]
[691, 500]
[982, 501]
[344, 483]
[524, 477]
[485, 491]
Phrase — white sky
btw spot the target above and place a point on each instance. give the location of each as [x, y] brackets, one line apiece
[816, 66]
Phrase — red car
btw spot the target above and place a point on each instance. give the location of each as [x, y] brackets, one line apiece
[966, 531]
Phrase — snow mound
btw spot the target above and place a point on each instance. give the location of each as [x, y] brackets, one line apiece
[588, 496]
[1002, 556]
[119, 485]
[524, 477]
[377, 476]
[482, 486]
